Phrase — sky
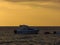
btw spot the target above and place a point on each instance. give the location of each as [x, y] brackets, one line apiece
[34, 13]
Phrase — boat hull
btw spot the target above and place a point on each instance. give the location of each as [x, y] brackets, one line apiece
[26, 31]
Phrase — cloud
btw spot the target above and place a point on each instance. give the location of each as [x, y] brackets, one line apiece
[31, 0]
[24, 0]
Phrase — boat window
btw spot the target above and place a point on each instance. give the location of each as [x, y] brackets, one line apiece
[15, 31]
[54, 32]
[46, 32]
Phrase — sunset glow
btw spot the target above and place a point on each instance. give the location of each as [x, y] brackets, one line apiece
[31, 13]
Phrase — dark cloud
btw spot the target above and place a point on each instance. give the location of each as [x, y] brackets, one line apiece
[27, 0]
[44, 6]
[31, 0]
[18, 0]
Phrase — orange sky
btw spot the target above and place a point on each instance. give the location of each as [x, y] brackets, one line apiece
[30, 13]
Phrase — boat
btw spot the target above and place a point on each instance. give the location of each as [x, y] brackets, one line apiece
[24, 29]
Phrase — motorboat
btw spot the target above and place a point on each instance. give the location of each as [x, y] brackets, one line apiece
[24, 29]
